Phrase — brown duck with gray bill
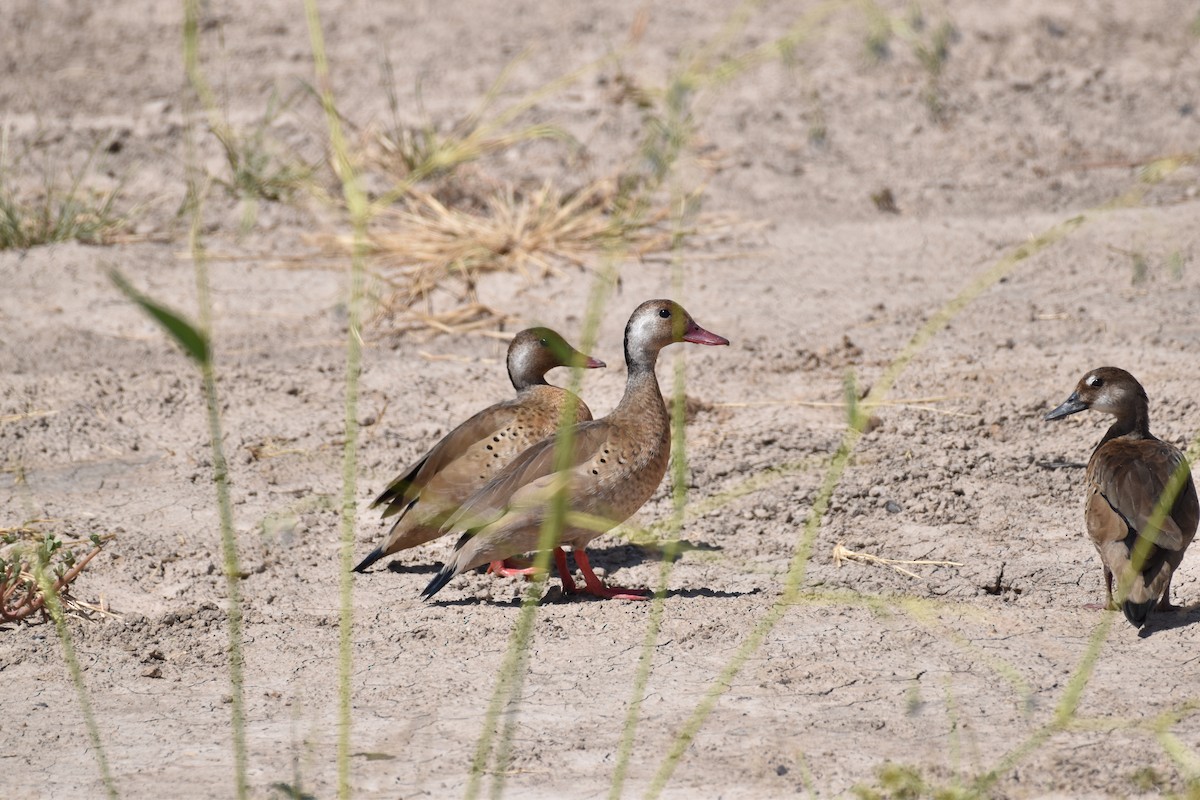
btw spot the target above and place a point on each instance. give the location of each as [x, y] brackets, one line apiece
[613, 467]
[1127, 474]
[471, 454]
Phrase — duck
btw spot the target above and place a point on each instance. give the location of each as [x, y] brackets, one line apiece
[1127, 473]
[614, 464]
[428, 492]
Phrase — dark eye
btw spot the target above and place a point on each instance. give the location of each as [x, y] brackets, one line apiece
[1095, 381]
[665, 313]
[544, 343]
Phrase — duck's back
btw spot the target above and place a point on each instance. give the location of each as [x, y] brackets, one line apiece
[469, 457]
[1126, 477]
[532, 416]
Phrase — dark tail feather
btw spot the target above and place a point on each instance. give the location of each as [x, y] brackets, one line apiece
[1136, 613]
[395, 506]
[374, 556]
[396, 489]
[441, 579]
[390, 495]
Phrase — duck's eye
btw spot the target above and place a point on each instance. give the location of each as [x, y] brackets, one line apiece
[544, 342]
[665, 313]
[1094, 381]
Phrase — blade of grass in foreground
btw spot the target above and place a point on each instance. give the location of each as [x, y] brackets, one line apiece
[359, 210]
[195, 343]
[1154, 173]
[1184, 757]
[857, 423]
[54, 607]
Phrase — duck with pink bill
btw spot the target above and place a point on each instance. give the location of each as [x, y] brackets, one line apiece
[613, 467]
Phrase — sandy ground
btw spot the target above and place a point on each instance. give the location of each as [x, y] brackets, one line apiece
[1045, 111]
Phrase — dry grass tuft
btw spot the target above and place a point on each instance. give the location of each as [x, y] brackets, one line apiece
[23, 549]
[429, 256]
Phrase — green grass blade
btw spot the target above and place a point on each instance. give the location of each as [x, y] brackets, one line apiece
[233, 578]
[203, 356]
[359, 211]
[512, 673]
[193, 342]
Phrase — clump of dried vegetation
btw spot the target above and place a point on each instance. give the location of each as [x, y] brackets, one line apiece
[26, 550]
[424, 248]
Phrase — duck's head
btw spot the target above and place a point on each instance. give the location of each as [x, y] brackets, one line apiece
[535, 351]
[1106, 389]
[658, 323]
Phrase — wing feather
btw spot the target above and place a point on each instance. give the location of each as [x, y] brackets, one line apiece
[1131, 476]
[401, 493]
[536, 463]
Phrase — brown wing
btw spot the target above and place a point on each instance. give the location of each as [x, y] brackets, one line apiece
[1130, 476]
[535, 463]
[401, 493]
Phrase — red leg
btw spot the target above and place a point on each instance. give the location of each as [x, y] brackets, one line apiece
[564, 574]
[595, 586]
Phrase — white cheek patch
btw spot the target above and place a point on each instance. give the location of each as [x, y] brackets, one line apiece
[643, 328]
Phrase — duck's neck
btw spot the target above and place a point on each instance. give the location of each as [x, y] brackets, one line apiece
[523, 380]
[642, 394]
[1134, 424]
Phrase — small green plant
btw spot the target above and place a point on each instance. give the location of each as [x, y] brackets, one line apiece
[878, 40]
[57, 213]
[415, 153]
[54, 608]
[1175, 264]
[900, 782]
[24, 551]
[259, 167]
[818, 124]
[61, 211]
[1140, 268]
